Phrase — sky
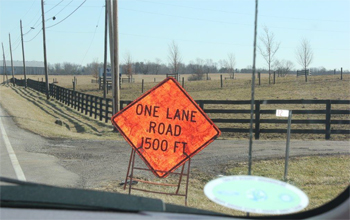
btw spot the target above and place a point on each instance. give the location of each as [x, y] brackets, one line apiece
[201, 28]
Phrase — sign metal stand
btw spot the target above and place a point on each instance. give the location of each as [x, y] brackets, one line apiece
[131, 178]
[286, 113]
[288, 145]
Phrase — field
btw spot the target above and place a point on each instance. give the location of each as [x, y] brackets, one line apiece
[321, 177]
[290, 87]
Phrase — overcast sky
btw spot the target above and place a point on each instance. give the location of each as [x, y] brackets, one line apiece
[202, 29]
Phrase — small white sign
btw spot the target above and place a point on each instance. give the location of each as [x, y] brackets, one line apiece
[282, 113]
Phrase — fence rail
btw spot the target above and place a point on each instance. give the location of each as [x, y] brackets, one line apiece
[324, 110]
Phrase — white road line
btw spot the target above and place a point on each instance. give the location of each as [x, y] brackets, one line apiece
[13, 157]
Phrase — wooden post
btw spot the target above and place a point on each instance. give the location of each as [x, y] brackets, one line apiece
[74, 85]
[142, 86]
[44, 44]
[257, 119]
[287, 145]
[24, 60]
[105, 57]
[341, 73]
[3, 54]
[259, 78]
[221, 80]
[13, 70]
[328, 119]
[334, 72]
[274, 77]
[114, 43]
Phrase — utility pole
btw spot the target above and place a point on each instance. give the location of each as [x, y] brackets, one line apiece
[3, 55]
[24, 60]
[111, 50]
[252, 100]
[116, 93]
[13, 70]
[105, 57]
[44, 43]
[113, 41]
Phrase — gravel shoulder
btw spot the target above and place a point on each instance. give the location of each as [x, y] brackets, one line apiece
[100, 161]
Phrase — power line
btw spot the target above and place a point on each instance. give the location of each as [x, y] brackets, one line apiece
[68, 15]
[98, 21]
[63, 8]
[28, 10]
[54, 6]
[34, 36]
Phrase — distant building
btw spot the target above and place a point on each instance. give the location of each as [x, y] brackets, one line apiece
[32, 67]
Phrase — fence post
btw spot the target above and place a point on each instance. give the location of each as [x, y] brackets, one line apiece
[100, 109]
[95, 113]
[106, 110]
[201, 104]
[74, 100]
[183, 82]
[87, 104]
[259, 78]
[341, 73]
[257, 119]
[328, 119]
[221, 80]
[82, 102]
[274, 77]
[142, 86]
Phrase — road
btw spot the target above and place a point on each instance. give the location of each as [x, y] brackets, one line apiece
[89, 163]
[27, 161]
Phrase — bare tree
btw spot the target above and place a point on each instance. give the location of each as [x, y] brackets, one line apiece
[174, 57]
[268, 48]
[145, 67]
[304, 55]
[197, 69]
[94, 68]
[157, 65]
[128, 65]
[230, 64]
[283, 67]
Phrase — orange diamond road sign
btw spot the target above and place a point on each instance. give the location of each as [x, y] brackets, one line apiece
[166, 127]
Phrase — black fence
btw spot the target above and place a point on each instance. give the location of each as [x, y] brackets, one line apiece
[326, 117]
[321, 109]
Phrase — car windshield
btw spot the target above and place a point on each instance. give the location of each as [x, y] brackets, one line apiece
[158, 99]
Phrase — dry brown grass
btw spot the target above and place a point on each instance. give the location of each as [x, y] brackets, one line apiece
[321, 178]
[318, 87]
[31, 111]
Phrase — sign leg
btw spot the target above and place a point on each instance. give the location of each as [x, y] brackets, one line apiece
[288, 145]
